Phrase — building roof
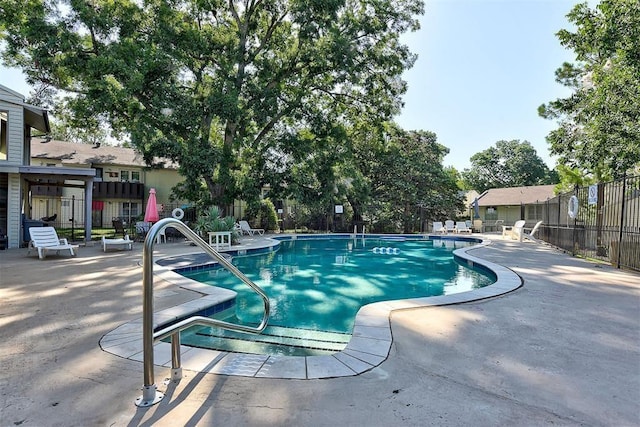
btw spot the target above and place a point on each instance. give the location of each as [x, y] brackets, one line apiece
[70, 153]
[35, 117]
[516, 195]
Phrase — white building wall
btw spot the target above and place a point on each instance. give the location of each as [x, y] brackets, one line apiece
[15, 134]
[14, 210]
[10, 102]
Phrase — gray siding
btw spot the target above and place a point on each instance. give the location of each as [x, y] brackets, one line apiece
[15, 133]
[14, 210]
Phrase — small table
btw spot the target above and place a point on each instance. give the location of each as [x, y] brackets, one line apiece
[222, 239]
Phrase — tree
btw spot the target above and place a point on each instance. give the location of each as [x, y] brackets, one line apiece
[406, 182]
[508, 164]
[571, 178]
[222, 88]
[89, 131]
[599, 124]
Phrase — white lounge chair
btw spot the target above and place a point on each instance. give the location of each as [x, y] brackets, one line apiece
[461, 227]
[246, 228]
[514, 231]
[450, 226]
[45, 239]
[438, 227]
[125, 243]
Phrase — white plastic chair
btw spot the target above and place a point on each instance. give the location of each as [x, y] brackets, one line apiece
[461, 227]
[438, 227]
[45, 239]
[514, 231]
[246, 228]
[530, 235]
[125, 242]
[450, 226]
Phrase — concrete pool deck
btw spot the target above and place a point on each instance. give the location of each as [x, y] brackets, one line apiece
[564, 349]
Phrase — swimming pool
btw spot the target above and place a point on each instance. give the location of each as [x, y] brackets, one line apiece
[316, 287]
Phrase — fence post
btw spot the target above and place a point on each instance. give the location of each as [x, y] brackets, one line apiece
[600, 251]
[622, 208]
[73, 217]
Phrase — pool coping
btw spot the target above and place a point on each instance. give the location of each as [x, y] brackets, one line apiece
[369, 346]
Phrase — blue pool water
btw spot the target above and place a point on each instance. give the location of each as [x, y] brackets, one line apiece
[317, 286]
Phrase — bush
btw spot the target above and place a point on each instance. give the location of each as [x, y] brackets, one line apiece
[212, 221]
[265, 215]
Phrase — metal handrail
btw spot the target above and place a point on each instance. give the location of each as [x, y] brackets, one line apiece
[150, 394]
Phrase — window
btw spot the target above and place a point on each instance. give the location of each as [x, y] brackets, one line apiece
[534, 212]
[135, 176]
[124, 176]
[129, 210]
[99, 173]
[491, 213]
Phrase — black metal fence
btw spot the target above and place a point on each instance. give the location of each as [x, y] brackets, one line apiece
[600, 221]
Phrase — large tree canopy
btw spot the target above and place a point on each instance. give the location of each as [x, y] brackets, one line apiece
[508, 164]
[388, 177]
[599, 124]
[408, 181]
[218, 86]
[397, 177]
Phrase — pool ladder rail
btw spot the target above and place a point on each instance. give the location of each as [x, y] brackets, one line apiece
[150, 393]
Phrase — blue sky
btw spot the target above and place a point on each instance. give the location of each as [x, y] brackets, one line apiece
[483, 68]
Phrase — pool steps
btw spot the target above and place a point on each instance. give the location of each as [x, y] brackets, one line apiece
[274, 339]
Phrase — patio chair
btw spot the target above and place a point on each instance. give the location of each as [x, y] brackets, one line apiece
[438, 227]
[124, 243]
[246, 228]
[142, 228]
[450, 226]
[118, 226]
[532, 232]
[514, 231]
[45, 239]
[461, 227]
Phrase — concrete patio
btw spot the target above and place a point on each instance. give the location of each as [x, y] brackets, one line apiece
[564, 349]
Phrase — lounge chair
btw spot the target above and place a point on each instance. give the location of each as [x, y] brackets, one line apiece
[461, 227]
[450, 226]
[45, 239]
[246, 228]
[438, 227]
[514, 231]
[126, 243]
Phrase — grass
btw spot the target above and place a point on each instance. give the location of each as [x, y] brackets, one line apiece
[78, 233]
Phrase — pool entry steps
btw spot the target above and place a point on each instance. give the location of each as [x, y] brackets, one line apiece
[274, 339]
[150, 393]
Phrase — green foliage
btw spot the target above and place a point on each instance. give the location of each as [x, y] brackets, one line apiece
[211, 220]
[599, 124]
[268, 215]
[225, 89]
[406, 182]
[571, 178]
[508, 164]
[263, 215]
